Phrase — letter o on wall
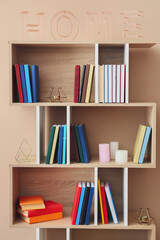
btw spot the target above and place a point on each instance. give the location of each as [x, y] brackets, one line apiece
[64, 26]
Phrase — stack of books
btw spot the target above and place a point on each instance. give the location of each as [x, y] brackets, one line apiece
[82, 203]
[80, 143]
[105, 192]
[57, 144]
[27, 78]
[140, 147]
[83, 87]
[33, 209]
[112, 83]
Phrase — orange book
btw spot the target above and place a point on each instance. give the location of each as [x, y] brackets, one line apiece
[42, 218]
[31, 202]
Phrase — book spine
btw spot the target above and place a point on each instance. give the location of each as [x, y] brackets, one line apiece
[79, 144]
[110, 83]
[122, 82]
[85, 83]
[89, 85]
[86, 160]
[24, 87]
[114, 84]
[60, 145]
[28, 83]
[88, 211]
[118, 83]
[64, 145]
[145, 143]
[76, 83]
[82, 83]
[19, 84]
[50, 144]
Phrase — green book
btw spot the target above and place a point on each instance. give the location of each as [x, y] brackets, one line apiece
[50, 144]
[79, 143]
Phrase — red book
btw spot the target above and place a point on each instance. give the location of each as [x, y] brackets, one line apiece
[19, 84]
[76, 202]
[104, 203]
[50, 207]
[76, 83]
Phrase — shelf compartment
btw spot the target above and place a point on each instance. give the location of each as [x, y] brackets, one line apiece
[105, 124]
[58, 234]
[56, 65]
[53, 184]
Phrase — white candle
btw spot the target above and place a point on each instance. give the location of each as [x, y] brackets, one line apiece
[121, 156]
[113, 147]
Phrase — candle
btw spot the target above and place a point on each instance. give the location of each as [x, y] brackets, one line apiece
[104, 152]
[113, 147]
[121, 156]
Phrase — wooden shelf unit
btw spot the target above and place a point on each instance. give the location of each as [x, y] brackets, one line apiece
[104, 123]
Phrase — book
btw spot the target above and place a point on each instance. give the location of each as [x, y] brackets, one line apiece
[42, 218]
[60, 144]
[82, 83]
[50, 144]
[80, 203]
[64, 144]
[19, 84]
[85, 83]
[90, 199]
[144, 145]
[84, 150]
[110, 82]
[106, 90]
[73, 135]
[138, 143]
[100, 201]
[118, 83]
[86, 141]
[76, 202]
[28, 82]
[89, 85]
[54, 144]
[79, 143]
[114, 89]
[31, 202]
[76, 83]
[104, 203]
[101, 93]
[122, 83]
[111, 203]
[50, 207]
[23, 81]
[35, 82]
[85, 203]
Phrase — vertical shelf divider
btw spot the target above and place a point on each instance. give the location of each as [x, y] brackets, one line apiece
[125, 196]
[95, 196]
[68, 134]
[96, 73]
[40, 233]
[126, 62]
[68, 232]
[39, 133]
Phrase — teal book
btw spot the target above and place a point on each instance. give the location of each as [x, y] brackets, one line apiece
[50, 144]
[64, 144]
[28, 82]
[79, 144]
[144, 145]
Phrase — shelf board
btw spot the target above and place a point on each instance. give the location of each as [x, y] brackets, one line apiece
[92, 164]
[71, 104]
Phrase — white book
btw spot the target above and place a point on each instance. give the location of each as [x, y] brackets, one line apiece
[106, 83]
[118, 83]
[110, 83]
[114, 84]
[122, 82]
[111, 203]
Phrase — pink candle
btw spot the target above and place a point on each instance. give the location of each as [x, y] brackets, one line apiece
[104, 152]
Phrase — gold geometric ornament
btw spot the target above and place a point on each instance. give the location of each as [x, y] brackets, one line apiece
[25, 152]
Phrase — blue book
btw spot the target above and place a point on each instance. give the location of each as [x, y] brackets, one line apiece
[86, 157]
[144, 145]
[80, 203]
[64, 144]
[23, 80]
[50, 144]
[111, 203]
[86, 141]
[60, 145]
[90, 199]
[35, 82]
[28, 83]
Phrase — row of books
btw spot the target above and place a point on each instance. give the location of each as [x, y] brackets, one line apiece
[57, 141]
[80, 143]
[82, 203]
[33, 209]
[112, 83]
[142, 140]
[104, 191]
[27, 78]
[83, 83]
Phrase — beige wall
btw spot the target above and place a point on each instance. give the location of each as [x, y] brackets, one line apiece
[19, 122]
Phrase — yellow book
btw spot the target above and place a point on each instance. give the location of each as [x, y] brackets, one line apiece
[101, 95]
[90, 79]
[100, 201]
[54, 145]
[138, 143]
